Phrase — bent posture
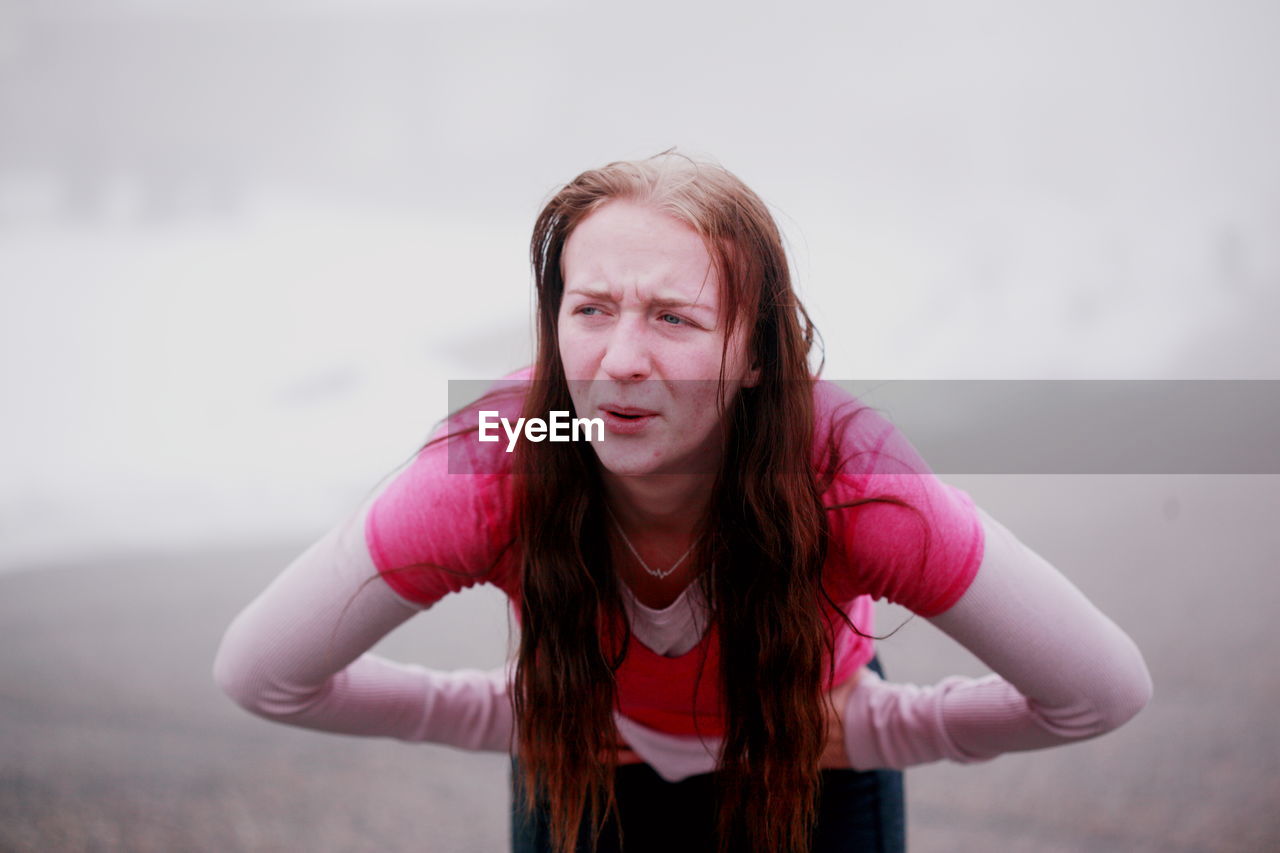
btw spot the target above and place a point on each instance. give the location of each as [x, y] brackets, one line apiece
[694, 590]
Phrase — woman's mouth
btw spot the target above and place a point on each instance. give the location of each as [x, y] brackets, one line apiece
[626, 420]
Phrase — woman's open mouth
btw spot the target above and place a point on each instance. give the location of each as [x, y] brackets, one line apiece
[626, 421]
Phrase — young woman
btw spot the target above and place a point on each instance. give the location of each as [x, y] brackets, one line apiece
[696, 668]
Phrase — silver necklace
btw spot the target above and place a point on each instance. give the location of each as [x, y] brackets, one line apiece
[643, 564]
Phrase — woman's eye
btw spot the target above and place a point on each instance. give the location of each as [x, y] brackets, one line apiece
[679, 321]
[585, 308]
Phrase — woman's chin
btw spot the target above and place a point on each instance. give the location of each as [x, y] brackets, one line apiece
[630, 466]
[643, 464]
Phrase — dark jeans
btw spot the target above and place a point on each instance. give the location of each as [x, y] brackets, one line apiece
[858, 811]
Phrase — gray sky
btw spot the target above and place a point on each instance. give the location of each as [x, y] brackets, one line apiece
[243, 246]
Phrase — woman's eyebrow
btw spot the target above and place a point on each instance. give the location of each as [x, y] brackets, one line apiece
[680, 303]
[590, 293]
[658, 301]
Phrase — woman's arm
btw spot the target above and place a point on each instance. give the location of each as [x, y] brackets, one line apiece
[1064, 672]
[298, 655]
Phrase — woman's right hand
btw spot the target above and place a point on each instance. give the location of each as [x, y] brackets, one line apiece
[623, 752]
[299, 654]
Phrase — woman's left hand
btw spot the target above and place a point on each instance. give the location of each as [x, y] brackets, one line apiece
[623, 753]
[835, 755]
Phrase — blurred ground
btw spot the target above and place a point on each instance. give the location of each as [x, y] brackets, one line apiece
[1187, 566]
[114, 737]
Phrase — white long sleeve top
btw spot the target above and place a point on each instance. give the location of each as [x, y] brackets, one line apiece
[1062, 671]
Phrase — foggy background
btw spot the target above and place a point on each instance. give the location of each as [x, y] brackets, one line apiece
[243, 247]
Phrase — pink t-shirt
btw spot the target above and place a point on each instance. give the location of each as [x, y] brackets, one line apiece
[440, 512]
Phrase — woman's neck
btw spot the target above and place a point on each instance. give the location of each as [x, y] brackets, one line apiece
[662, 513]
[662, 504]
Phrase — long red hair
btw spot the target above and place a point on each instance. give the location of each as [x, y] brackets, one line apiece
[764, 538]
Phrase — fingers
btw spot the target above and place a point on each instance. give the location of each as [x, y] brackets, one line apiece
[835, 754]
[625, 755]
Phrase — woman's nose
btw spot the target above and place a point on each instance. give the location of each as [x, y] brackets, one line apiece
[626, 353]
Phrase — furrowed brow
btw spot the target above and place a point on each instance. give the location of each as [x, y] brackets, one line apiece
[589, 292]
[658, 302]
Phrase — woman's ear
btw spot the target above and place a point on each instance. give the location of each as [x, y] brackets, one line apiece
[752, 379]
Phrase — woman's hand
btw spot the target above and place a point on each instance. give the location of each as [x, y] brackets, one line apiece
[834, 755]
[623, 752]
[625, 755]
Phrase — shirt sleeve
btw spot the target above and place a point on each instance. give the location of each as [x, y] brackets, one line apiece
[897, 531]
[1064, 672]
[299, 654]
[446, 522]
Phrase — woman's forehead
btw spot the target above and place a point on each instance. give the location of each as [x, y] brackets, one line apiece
[634, 251]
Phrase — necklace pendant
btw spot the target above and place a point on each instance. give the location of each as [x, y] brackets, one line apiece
[659, 574]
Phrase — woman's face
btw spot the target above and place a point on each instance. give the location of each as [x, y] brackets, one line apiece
[641, 333]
